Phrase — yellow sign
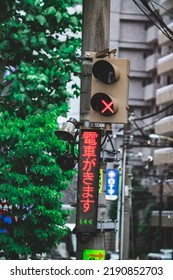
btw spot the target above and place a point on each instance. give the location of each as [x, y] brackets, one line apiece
[100, 180]
[89, 254]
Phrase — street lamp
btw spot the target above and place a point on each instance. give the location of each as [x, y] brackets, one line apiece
[158, 136]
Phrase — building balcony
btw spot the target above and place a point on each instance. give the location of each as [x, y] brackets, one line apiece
[164, 95]
[152, 34]
[167, 189]
[164, 126]
[151, 62]
[163, 156]
[164, 40]
[167, 7]
[149, 91]
[165, 65]
[166, 218]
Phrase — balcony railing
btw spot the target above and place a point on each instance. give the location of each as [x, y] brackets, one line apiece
[164, 126]
[165, 64]
[163, 39]
[166, 218]
[163, 156]
[164, 95]
[149, 91]
[151, 62]
[152, 34]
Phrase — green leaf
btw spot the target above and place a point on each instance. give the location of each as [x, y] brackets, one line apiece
[40, 87]
[74, 20]
[34, 40]
[29, 17]
[58, 16]
[51, 10]
[42, 40]
[41, 19]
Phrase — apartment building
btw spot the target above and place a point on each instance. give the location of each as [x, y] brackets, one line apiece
[130, 36]
[163, 157]
[150, 100]
[164, 94]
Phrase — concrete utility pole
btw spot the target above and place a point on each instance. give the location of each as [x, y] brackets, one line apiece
[126, 196]
[160, 215]
[95, 38]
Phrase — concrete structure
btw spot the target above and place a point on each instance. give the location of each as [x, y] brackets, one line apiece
[134, 38]
[163, 158]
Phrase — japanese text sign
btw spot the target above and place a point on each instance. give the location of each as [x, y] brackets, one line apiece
[88, 180]
[112, 184]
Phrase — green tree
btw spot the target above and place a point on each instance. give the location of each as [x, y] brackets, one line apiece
[39, 43]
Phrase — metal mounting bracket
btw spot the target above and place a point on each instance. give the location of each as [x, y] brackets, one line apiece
[100, 54]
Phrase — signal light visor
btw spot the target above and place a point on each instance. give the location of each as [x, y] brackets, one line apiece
[105, 72]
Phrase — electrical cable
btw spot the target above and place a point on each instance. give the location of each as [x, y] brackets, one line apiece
[163, 25]
[149, 10]
[104, 140]
[146, 125]
[149, 116]
[140, 129]
[156, 18]
[154, 114]
[162, 7]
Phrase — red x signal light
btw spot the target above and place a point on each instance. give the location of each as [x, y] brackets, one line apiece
[104, 104]
[106, 107]
[109, 90]
[67, 161]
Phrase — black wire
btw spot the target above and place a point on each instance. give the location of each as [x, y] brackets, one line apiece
[160, 20]
[154, 17]
[146, 125]
[154, 114]
[104, 140]
[162, 7]
[140, 129]
[148, 116]
[111, 143]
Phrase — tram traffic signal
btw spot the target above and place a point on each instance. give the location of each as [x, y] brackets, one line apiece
[68, 160]
[109, 90]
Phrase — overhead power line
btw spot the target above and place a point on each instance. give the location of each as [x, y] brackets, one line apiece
[154, 114]
[149, 116]
[148, 8]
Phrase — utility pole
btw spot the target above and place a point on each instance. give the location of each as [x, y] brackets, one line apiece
[95, 38]
[126, 196]
[160, 214]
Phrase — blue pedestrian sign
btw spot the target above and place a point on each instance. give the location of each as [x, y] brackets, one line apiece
[111, 184]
